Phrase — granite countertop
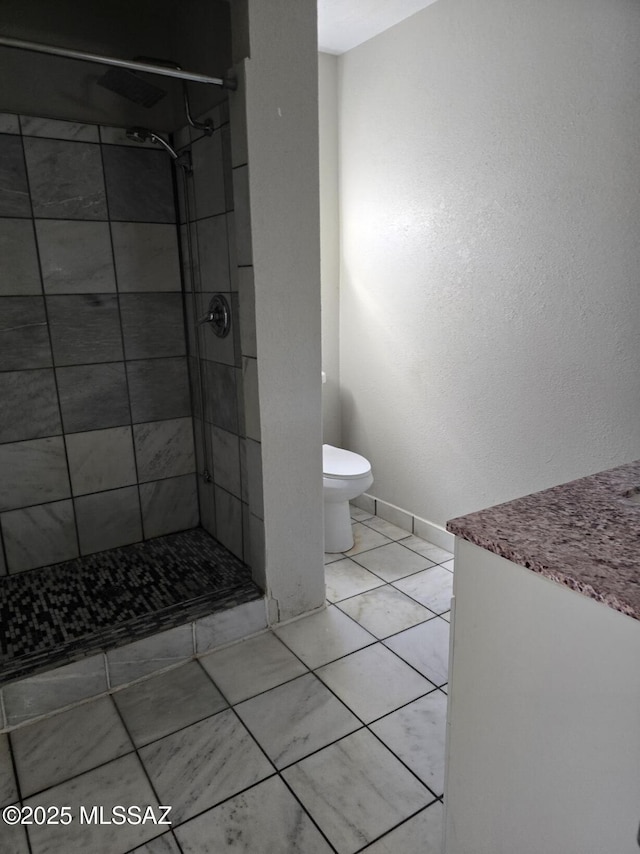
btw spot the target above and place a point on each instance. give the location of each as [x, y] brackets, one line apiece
[584, 534]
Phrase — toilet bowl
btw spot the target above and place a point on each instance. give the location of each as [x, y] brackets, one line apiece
[345, 476]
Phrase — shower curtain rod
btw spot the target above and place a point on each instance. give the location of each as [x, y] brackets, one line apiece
[130, 64]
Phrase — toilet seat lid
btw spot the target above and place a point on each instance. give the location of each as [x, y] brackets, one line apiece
[336, 462]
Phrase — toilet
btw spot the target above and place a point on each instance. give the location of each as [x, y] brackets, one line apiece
[345, 476]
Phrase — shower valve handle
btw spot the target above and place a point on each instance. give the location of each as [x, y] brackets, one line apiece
[218, 316]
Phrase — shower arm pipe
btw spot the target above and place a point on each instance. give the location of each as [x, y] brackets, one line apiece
[130, 64]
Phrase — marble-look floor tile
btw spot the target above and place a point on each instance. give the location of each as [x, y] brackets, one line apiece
[346, 578]
[365, 538]
[8, 788]
[207, 762]
[121, 782]
[46, 692]
[425, 647]
[448, 564]
[416, 734]
[33, 472]
[19, 272]
[266, 819]
[332, 557]
[165, 844]
[166, 703]
[295, 719]
[9, 123]
[14, 839]
[387, 528]
[433, 588]
[383, 612]
[424, 547]
[252, 666]
[55, 749]
[392, 561]
[421, 834]
[373, 682]
[75, 256]
[446, 616]
[324, 636]
[358, 514]
[356, 790]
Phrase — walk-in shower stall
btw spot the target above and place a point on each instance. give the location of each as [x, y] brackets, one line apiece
[127, 480]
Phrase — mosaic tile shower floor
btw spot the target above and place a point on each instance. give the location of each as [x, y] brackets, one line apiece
[58, 614]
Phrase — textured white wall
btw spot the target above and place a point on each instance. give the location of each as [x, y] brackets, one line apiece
[329, 244]
[490, 282]
[282, 139]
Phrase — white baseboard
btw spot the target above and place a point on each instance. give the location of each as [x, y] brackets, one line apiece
[422, 528]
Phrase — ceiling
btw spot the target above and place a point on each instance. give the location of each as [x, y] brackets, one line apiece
[343, 24]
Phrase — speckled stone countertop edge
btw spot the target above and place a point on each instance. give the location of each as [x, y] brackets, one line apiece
[581, 534]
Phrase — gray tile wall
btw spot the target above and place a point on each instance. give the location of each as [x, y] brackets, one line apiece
[234, 497]
[96, 434]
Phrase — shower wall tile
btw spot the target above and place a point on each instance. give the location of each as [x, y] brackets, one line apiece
[65, 179]
[251, 400]
[256, 557]
[159, 389]
[24, 340]
[29, 407]
[9, 123]
[213, 254]
[221, 406]
[146, 256]
[55, 129]
[169, 505]
[225, 454]
[3, 565]
[211, 346]
[14, 189]
[152, 325]
[135, 660]
[100, 460]
[19, 272]
[254, 477]
[242, 216]
[164, 449]
[107, 520]
[75, 256]
[247, 312]
[139, 184]
[33, 472]
[229, 521]
[227, 168]
[38, 536]
[85, 328]
[238, 115]
[93, 396]
[54, 689]
[233, 250]
[208, 176]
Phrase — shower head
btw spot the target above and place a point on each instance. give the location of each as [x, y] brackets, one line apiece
[145, 135]
[131, 86]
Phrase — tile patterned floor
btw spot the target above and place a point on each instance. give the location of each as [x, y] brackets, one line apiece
[324, 736]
